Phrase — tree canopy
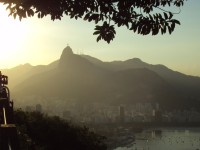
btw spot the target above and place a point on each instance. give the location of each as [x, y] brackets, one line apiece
[40, 132]
[140, 16]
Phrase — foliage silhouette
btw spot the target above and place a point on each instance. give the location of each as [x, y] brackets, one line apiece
[140, 16]
[40, 132]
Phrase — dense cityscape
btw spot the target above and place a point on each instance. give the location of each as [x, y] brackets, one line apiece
[98, 113]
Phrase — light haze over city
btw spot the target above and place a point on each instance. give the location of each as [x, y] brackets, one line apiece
[41, 41]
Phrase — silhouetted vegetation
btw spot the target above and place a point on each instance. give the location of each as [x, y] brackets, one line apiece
[41, 132]
[140, 16]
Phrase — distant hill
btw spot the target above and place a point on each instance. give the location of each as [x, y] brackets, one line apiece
[186, 84]
[22, 72]
[85, 79]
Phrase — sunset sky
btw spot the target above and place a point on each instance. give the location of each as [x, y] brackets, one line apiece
[41, 41]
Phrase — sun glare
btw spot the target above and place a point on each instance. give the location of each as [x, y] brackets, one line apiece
[12, 34]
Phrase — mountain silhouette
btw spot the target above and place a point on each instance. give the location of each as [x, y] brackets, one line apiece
[187, 85]
[85, 79]
[73, 78]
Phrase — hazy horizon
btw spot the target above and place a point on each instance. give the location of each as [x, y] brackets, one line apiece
[93, 57]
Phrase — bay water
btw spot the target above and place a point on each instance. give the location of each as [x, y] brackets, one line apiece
[166, 139]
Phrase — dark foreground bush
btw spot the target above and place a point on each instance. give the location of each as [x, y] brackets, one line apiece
[40, 132]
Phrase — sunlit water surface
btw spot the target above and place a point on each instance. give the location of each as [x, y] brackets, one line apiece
[166, 139]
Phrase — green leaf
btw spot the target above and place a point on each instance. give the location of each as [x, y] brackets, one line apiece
[96, 32]
[170, 15]
[172, 26]
[166, 16]
[98, 38]
[169, 29]
[86, 16]
[177, 22]
[97, 27]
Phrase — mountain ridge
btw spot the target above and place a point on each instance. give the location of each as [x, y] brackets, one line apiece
[88, 79]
